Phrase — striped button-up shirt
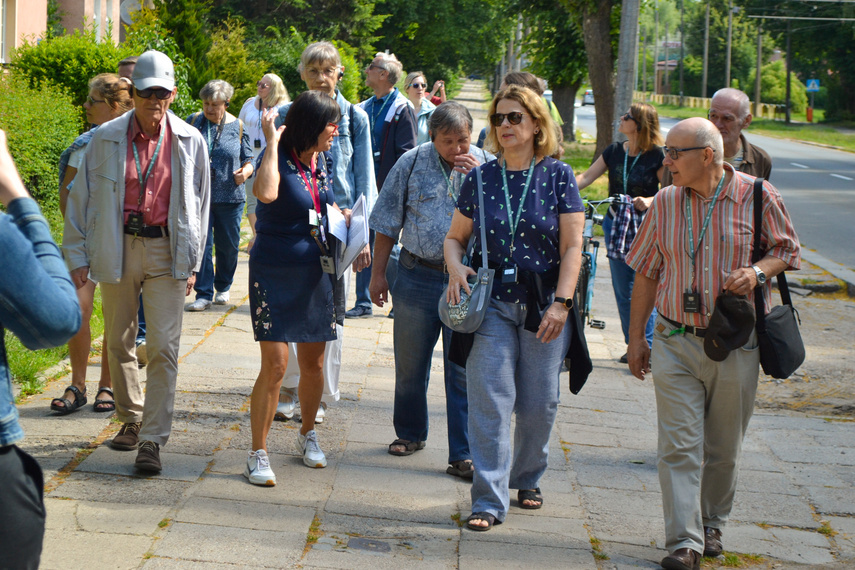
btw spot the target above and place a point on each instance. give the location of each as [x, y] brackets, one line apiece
[661, 248]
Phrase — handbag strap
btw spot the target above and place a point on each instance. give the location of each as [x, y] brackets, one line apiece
[481, 217]
[757, 254]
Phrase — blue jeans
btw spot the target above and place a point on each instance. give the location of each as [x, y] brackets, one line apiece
[623, 277]
[509, 371]
[224, 233]
[363, 278]
[416, 330]
[141, 325]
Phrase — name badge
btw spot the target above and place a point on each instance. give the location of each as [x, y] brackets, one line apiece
[509, 274]
[135, 222]
[691, 302]
[313, 218]
[256, 143]
[327, 264]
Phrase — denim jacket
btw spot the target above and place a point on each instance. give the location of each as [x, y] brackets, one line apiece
[38, 302]
[353, 164]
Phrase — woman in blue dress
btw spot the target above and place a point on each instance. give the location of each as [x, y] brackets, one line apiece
[291, 271]
[533, 218]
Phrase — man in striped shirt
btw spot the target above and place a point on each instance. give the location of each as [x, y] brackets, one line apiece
[696, 242]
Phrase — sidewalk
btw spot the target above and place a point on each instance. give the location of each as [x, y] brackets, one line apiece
[368, 509]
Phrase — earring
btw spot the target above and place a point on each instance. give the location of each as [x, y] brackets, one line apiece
[536, 131]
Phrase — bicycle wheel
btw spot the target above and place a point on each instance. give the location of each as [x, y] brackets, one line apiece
[580, 299]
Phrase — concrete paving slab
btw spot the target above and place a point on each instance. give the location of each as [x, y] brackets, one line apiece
[637, 530]
[787, 544]
[483, 554]
[845, 537]
[833, 501]
[92, 550]
[124, 490]
[810, 476]
[430, 460]
[159, 563]
[524, 528]
[245, 514]
[776, 483]
[770, 508]
[176, 466]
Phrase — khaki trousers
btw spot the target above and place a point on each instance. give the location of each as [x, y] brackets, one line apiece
[703, 409]
[147, 267]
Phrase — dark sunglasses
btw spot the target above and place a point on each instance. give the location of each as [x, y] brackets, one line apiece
[160, 92]
[92, 101]
[418, 85]
[674, 153]
[262, 85]
[514, 118]
[628, 117]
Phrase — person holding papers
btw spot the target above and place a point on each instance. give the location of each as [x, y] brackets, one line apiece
[418, 198]
[292, 273]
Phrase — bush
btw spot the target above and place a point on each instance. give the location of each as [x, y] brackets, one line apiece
[773, 86]
[40, 123]
[229, 60]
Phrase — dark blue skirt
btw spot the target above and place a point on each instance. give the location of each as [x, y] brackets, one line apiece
[291, 303]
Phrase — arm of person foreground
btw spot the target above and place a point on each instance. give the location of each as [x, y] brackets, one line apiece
[38, 302]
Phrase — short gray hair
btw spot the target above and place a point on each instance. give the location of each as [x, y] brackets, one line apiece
[319, 53]
[708, 135]
[742, 100]
[217, 90]
[452, 117]
[390, 63]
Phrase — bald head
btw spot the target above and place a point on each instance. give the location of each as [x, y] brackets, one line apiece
[702, 156]
[730, 112]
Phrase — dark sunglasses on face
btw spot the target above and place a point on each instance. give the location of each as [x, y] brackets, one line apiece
[674, 153]
[418, 85]
[262, 85]
[628, 117]
[160, 92]
[514, 118]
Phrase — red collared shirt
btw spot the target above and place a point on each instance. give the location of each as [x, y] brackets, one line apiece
[660, 248]
[155, 203]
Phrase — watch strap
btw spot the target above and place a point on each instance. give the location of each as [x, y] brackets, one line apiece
[567, 302]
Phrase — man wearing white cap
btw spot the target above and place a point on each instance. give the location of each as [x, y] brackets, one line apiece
[153, 167]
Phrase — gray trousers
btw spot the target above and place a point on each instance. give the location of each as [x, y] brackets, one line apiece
[703, 409]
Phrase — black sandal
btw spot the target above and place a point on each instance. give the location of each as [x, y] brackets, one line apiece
[489, 517]
[104, 405]
[69, 406]
[410, 447]
[528, 495]
[462, 468]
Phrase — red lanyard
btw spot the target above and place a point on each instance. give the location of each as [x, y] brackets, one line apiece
[313, 187]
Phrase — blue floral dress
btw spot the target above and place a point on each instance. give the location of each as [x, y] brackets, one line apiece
[291, 298]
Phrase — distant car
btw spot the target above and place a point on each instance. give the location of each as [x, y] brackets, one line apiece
[588, 97]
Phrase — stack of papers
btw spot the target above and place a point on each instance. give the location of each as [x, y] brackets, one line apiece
[351, 240]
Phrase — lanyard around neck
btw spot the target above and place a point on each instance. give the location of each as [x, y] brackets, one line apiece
[313, 187]
[211, 143]
[515, 220]
[448, 179]
[693, 250]
[144, 178]
[625, 171]
[374, 116]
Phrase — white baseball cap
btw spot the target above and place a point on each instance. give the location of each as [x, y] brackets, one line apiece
[154, 69]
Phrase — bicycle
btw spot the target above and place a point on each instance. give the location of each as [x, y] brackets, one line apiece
[584, 296]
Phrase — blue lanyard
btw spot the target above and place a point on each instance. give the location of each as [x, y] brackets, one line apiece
[373, 116]
[625, 171]
[515, 221]
[693, 251]
[144, 179]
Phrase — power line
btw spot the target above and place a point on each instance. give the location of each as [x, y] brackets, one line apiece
[803, 17]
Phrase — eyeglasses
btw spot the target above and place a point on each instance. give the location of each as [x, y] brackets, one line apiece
[314, 72]
[674, 153]
[92, 101]
[514, 118]
[160, 92]
[419, 85]
[373, 65]
[262, 85]
[334, 126]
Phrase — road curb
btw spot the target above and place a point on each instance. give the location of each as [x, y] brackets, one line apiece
[837, 270]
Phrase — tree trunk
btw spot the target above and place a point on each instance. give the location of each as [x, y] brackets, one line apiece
[564, 97]
[596, 29]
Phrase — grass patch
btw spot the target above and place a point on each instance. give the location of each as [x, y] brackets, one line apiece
[597, 547]
[733, 560]
[314, 531]
[27, 366]
[826, 530]
[458, 520]
[164, 523]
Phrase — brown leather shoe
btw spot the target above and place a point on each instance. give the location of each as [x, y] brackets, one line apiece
[127, 438]
[712, 541]
[682, 559]
[148, 457]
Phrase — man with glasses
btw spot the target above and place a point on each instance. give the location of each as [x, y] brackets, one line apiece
[393, 132]
[695, 243]
[153, 167]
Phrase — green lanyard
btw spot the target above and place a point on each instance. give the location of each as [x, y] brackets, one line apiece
[693, 251]
[515, 221]
[625, 171]
[448, 179]
[144, 179]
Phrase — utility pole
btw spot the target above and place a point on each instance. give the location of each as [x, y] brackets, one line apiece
[759, 65]
[706, 52]
[682, 42]
[656, 49]
[729, 41]
[627, 59]
[789, 63]
[667, 62]
[644, 65]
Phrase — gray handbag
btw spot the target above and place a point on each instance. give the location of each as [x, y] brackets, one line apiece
[466, 316]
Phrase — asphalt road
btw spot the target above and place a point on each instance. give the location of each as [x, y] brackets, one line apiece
[818, 186]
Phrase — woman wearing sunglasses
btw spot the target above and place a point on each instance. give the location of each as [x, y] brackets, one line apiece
[271, 93]
[416, 92]
[534, 218]
[635, 172]
[292, 271]
[109, 96]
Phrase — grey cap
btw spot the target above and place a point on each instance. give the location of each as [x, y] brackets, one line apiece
[154, 69]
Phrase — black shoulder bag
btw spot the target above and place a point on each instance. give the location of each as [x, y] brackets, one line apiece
[781, 348]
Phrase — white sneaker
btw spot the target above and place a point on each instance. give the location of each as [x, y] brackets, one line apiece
[285, 410]
[221, 298]
[322, 412]
[198, 305]
[312, 454]
[258, 469]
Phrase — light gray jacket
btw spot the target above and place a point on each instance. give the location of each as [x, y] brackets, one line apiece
[94, 220]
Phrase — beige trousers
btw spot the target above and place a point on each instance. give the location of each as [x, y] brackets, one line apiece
[703, 409]
[147, 267]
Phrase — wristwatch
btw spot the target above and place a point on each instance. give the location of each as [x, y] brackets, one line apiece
[568, 303]
[761, 277]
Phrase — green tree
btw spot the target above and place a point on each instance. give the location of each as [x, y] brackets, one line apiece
[773, 86]
[54, 20]
[229, 59]
[188, 24]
